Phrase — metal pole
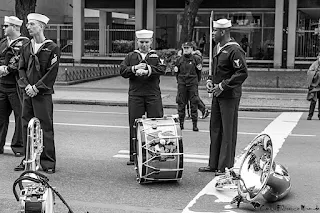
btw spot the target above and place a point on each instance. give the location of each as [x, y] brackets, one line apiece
[210, 47]
[58, 35]
[108, 40]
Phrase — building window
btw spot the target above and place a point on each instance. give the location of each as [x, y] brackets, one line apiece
[254, 31]
[166, 31]
[307, 35]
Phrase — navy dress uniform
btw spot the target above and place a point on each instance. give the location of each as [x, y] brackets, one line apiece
[144, 90]
[188, 75]
[229, 73]
[40, 68]
[9, 92]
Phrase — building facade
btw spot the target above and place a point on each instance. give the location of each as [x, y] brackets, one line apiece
[281, 32]
[276, 33]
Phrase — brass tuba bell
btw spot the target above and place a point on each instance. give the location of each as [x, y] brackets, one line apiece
[259, 177]
[259, 174]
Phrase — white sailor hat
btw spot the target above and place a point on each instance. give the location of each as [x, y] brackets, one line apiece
[144, 34]
[222, 23]
[38, 17]
[13, 20]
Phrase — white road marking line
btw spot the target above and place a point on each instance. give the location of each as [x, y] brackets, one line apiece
[300, 135]
[124, 152]
[92, 125]
[281, 128]
[184, 154]
[125, 113]
[126, 127]
[254, 118]
[89, 125]
[185, 159]
[93, 112]
[254, 133]
[207, 131]
[278, 130]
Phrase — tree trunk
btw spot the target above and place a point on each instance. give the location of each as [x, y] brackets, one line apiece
[190, 13]
[23, 8]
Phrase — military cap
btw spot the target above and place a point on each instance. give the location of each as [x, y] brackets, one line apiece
[187, 44]
[39, 17]
[222, 23]
[13, 20]
[144, 34]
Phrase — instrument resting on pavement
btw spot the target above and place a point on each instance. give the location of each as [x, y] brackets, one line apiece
[158, 149]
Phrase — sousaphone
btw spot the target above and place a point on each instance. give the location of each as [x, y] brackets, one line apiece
[259, 177]
[35, 194]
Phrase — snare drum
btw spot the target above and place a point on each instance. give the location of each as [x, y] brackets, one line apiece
[158, 149]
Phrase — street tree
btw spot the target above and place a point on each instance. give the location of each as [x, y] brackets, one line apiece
[23, 8]
[188, 20]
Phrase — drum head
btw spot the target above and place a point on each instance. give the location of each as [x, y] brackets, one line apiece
[140, 168]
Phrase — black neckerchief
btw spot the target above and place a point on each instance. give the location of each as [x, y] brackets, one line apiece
[33, 56]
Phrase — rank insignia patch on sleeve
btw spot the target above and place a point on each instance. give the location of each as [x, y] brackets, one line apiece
[237, 63]
[54, 59]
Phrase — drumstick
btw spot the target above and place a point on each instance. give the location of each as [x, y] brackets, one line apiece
[210, 48]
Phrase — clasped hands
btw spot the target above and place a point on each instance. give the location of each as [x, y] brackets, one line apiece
[213, 88]
[199, 66]
[3, 70]
[31, 90]
[141, 69]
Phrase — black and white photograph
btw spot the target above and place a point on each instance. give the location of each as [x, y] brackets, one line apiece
[159, 106]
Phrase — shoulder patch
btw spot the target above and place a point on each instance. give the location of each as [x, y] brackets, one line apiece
[54, 59]
[46, 49]
[237, 63]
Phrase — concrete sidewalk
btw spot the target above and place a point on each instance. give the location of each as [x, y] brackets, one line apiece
[114, 92]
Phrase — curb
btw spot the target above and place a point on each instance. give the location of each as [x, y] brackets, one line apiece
[67, 83]
[174, 106]
[62, 87]
[274, 90]
[272, 109]
[268, 89]
[89, 102]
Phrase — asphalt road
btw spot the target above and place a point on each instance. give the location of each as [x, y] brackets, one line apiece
[92, 175]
